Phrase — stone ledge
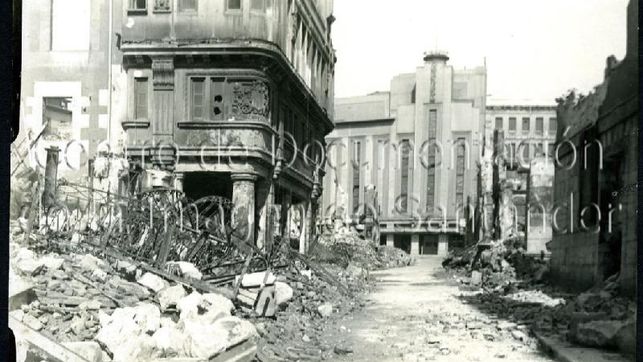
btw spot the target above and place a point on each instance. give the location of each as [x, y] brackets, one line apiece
[564, 351]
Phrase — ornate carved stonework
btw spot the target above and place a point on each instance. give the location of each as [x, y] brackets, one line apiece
[161, 5]
[163, 73]
[250, 100]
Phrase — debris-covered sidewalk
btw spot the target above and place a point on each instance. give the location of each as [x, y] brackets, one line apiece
[514, 286]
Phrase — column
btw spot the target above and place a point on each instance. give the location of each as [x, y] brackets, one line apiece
[304, 208]
[266, 204]
[284, 218]
[443, 244]
[415, 244]
[390, 240]
[179, 177]
[243, 207]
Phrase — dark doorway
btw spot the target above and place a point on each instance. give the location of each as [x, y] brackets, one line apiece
[201, 184]
[403, 242]
[611, 187]
[429, 245]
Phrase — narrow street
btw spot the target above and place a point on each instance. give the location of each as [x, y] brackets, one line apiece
[415, 314]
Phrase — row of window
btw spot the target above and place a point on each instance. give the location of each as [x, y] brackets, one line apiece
[308, 59]
[191, 5]
[512, 150]
[526, 124]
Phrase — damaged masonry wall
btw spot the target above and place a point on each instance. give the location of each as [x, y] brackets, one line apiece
[603, 128]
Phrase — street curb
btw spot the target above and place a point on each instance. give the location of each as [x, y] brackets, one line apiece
[568, 353]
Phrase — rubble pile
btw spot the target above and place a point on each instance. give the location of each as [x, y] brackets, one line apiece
[140, 277]
[325, 289]
[345, 247]
[117, 310]
[601, 318]
[316, 302]
[496, 264]
[391, 257]
[513, 285]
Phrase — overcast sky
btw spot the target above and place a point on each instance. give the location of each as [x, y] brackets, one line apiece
[534, 49]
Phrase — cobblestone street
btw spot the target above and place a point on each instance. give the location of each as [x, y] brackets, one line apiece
[416, 314]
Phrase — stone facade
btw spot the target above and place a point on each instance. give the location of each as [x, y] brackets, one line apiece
[233, 93]
[416, 147]
[70, 82]
[217, 92]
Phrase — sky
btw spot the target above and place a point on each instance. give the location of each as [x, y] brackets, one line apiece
[534, 50]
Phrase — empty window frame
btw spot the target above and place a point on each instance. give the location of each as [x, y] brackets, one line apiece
[512, 124]
[57, 117]
[140, 98]
[233, 5]
[499, 123]
[539, 125]
[525, 125]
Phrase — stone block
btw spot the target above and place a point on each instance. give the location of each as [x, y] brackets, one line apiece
[283, 293]
[325, 310]
[153, 282]
[256, 279]
[89, 350]
[169, 297]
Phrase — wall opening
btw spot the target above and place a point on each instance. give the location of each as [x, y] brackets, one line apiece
[201, 184]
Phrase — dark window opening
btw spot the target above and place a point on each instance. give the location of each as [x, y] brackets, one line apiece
[138, 4]
[234, 4]
[512, 124]
[57, 117]
[499, 123]
[403, 242]
[525, 125]
[539, 125]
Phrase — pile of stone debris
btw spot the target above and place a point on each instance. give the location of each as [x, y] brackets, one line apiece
[325, 290]
[318, 300]
[346, 247]
[77, 301]
[513, 286]
[87, 308]
[496, 264]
